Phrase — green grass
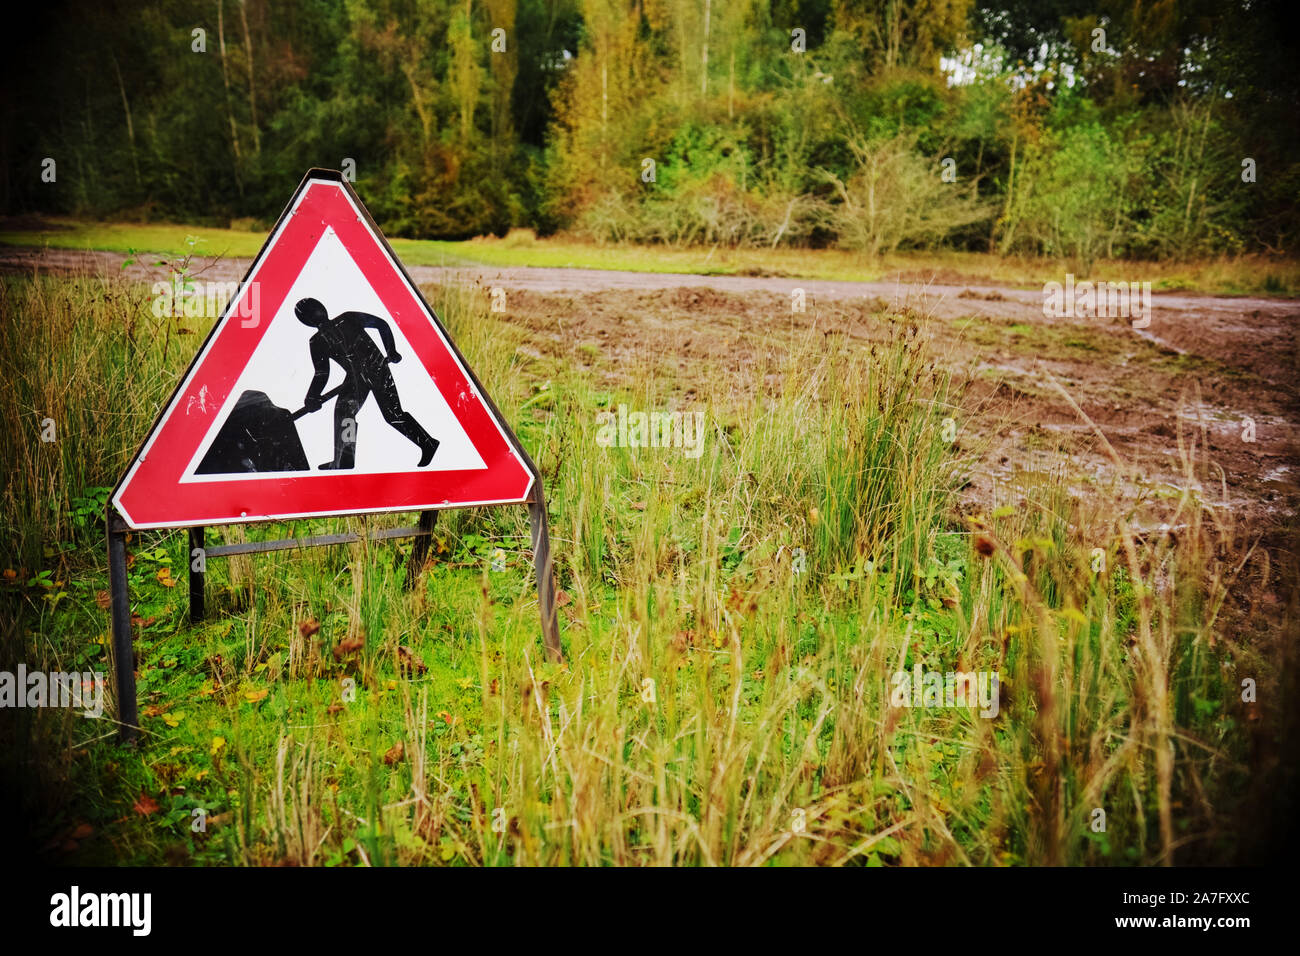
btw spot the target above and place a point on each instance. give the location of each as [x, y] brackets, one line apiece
[730, 625]
[1238, 276]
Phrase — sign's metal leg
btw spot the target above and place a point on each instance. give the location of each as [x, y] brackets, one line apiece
[123, 654]
[545, 569]
[196, 576]
[420, 551]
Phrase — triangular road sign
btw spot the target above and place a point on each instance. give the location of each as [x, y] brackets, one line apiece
[327, 387]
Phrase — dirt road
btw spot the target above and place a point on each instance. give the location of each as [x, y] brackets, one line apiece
[1213, 363]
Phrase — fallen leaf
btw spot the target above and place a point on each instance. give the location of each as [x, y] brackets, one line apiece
[145, 805]
[395, 753]
[165, 578]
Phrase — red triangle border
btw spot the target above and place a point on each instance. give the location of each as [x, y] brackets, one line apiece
[151, 494]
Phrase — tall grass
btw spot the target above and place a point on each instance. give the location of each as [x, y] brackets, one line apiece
[731, 624]
[88, 356]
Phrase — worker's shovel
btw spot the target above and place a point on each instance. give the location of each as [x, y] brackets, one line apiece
[324, 398]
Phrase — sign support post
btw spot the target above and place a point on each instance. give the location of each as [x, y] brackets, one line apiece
[420, 550]
[123, 640]
[123, 652]
[322, 297]
[545, 571]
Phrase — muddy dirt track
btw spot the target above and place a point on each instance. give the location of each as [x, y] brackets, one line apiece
[1204, 364]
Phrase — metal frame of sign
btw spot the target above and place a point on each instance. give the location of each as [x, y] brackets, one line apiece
[118, 527]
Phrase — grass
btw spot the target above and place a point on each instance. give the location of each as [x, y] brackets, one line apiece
[731, 626]
[1242, 275]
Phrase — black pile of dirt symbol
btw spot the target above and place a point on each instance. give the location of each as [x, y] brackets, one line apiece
[258, 436]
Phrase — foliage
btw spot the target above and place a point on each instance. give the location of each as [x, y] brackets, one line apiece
[894, 198]
[760, 137]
